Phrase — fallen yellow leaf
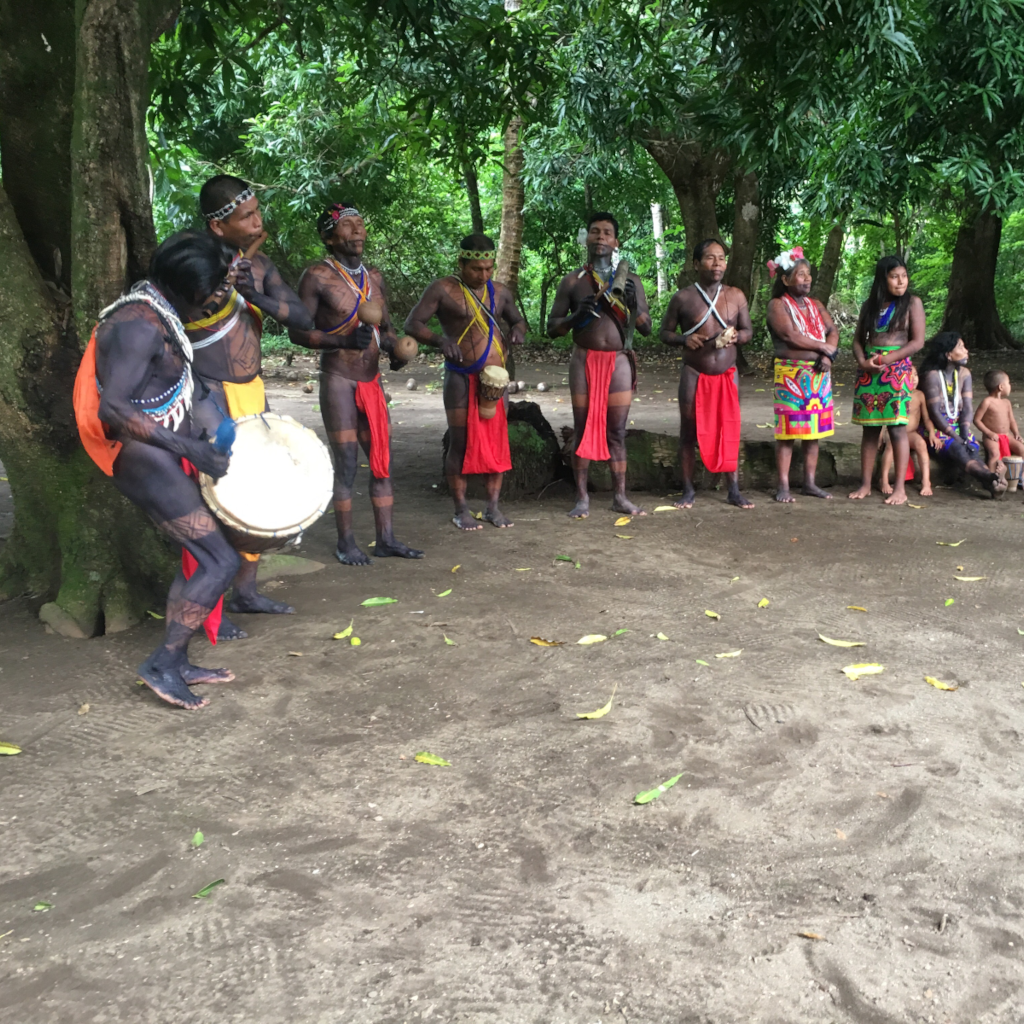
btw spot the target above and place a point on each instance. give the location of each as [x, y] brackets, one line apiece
[763, 603]
[295, 654]
[661, 636]
[84, 709]
[855, 608]
[854, 672]
[949, 543]
[730, 654]
[666, 508]
[524, 570]
[970, 579]
[938, 684]
[840, 834]
[840, 643]
[346, 632]
[623, 520]
[540, 642]
[711, 615]
[9, 749]
[601, 712]
[812, 935]
[456, 568]
[910, 505]
[624, 536]
[591, 638]
[355, 641]
[478, 515]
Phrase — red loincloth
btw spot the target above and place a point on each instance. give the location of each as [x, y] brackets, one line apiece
[599, 367]
[1004, 445]
[370, 399]
[189, 566]
[487, 449]
[86, 401]
[909, 475]
[718, 421]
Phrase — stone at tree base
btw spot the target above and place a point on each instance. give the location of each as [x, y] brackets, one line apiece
[536, 461]
[60, 621]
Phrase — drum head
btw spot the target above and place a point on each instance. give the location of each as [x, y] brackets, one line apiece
[279, 481]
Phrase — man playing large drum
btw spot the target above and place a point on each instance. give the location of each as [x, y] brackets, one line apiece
[135, 385]
[226, 342]
[469, 308]
[349, 308]
[602, 371]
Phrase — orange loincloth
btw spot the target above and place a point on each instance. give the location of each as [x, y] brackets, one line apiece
[487, 449]
[86, 401]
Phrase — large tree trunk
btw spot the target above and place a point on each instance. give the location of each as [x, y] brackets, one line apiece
[825, 277]
[510, 242]
[696, 175]
[746, 228]
[77, 544]
[971, 299]
[473, 195]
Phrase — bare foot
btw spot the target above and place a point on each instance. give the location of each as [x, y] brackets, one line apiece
[169, 686]
[229, 631]
[253, 603]
[898, 497]
[996, 486]
[395, 549]
[814, 491]
[782, 495]
[737, 499]
[886, 487]
[622, 504]
[464, 520]
[581, 509]
[861, 492]
[687, 500]
[351, 555]
[193, 674]
[497, 518]
[926, 490]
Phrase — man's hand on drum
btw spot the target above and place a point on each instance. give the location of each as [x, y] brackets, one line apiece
[208, 460]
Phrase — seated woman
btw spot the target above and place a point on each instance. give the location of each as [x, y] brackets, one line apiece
[946, 383]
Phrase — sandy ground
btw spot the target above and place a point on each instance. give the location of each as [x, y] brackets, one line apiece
[834, 851]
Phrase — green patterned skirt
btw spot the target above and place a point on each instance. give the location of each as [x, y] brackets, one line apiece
[882, 397]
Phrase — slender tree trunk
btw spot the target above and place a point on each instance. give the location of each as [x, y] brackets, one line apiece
[473, 194]
[510, 242]
[696, 175]
[745, 232]
[825, 278]
[77, 544]
[658, 227]
[971, 299]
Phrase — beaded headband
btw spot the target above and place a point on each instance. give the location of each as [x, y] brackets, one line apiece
[476, 254]
[328, 220]
[229, 208]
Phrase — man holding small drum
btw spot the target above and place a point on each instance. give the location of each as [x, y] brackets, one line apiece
[469, 308]
[352, 327]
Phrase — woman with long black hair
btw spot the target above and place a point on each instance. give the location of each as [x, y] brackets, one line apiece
[946, 383]
[889, 331]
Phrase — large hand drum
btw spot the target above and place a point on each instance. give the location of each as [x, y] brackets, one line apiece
[279, 482]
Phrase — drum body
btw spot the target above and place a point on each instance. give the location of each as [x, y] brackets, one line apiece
[279, 482]
[493, 382]
[1014, 470]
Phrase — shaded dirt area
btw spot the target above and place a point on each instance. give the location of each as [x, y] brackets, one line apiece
[522, 884]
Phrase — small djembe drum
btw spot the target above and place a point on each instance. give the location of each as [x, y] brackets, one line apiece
[493, 382]
[1014, 470]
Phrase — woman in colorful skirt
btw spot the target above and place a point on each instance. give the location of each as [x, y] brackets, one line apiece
[806, 342]
[946, 383]
[889, 331]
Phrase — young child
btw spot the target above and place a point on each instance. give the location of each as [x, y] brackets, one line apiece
[919, 426]
[994, 419]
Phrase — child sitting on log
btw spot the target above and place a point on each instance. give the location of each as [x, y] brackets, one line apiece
[919, 426]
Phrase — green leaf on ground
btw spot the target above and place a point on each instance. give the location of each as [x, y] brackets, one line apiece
[424, 757]
[204, 893]
[445, 593]
[950, 600]
[704, 663]
[619, 632]
[450, 643]
[374, 602]
[346, 632]
[43, 905]
[9, 748]
[197, 839]
[652, 794]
